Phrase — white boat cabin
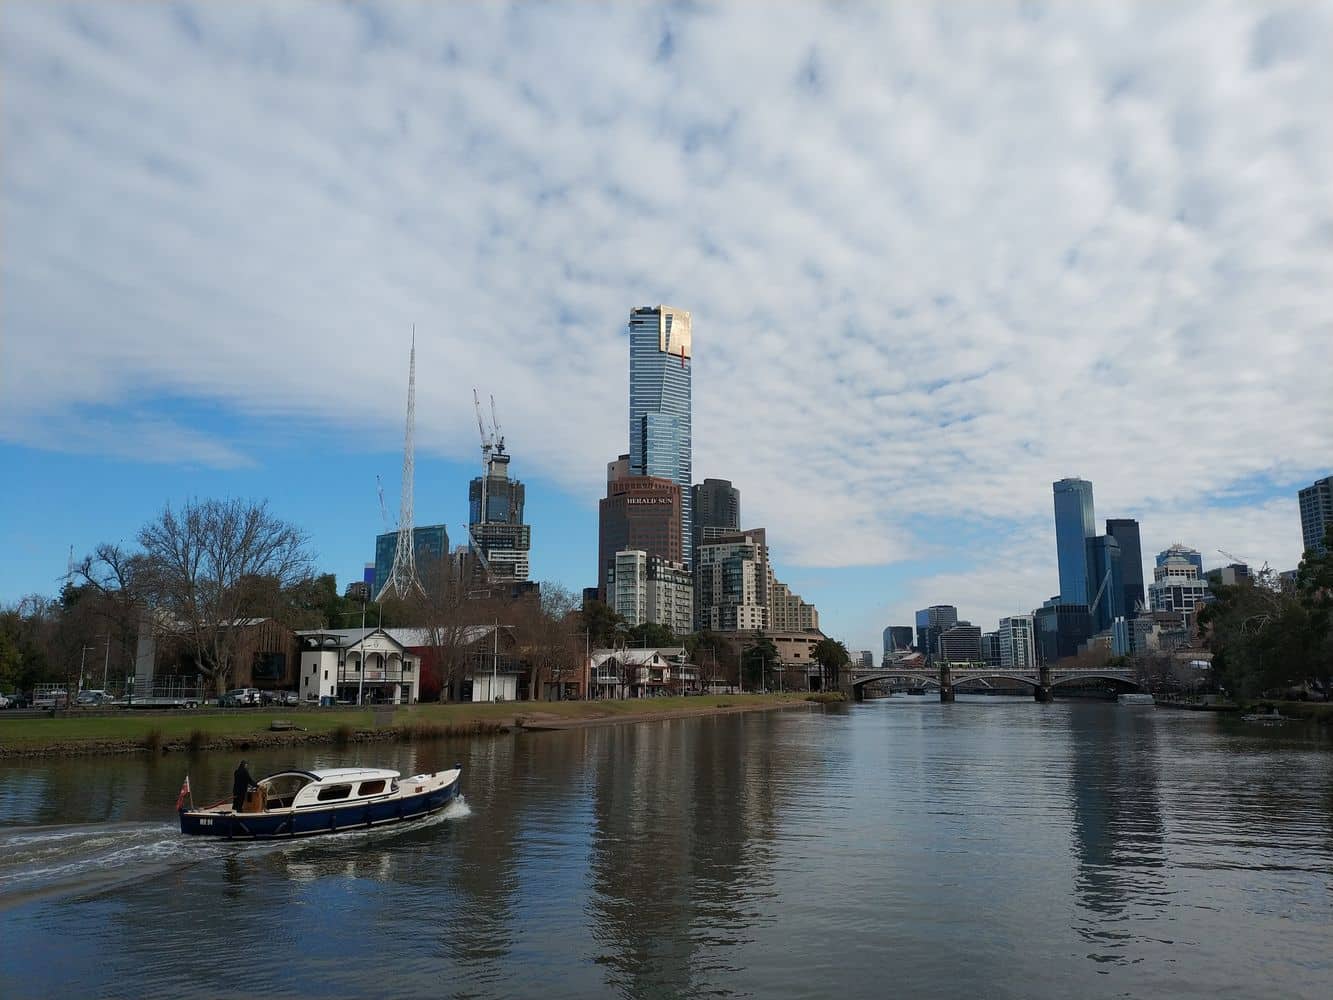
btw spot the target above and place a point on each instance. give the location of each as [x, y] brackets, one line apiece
[333, 786]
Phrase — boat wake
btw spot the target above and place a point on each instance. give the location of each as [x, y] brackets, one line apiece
[41, 861]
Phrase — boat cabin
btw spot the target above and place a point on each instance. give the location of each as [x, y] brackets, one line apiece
[333, 786]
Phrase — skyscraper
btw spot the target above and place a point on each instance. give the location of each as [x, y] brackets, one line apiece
[495, 507]
[1125, 531]
[1178, 551]
[431, 545]
[1074, 528]
[716, 509]
[1316, 514]
[638, 512]
[931, 622]
[659, 403]
[1108, 583]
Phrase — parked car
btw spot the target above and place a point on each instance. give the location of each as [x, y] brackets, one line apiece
[18, 700]
[288, 698]
[92, 697]
[5, 702]
[239, 698]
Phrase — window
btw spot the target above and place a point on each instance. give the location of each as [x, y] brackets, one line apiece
[371, 787]
[334, 792]
[326, 675]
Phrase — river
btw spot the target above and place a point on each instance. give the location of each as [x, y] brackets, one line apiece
[994, 847]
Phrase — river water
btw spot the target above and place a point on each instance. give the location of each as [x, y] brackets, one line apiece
[993, 847]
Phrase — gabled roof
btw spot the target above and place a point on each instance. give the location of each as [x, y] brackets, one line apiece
[341, 638]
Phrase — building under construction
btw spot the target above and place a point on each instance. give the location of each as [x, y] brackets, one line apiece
[498, 538]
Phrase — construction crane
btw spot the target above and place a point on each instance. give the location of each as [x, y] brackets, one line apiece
[384, 511]
[1234, 558]
[496, 436]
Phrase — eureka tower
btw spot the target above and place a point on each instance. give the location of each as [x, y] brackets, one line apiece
[659, 403]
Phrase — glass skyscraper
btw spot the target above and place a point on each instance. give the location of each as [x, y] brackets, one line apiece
[660, 442]
[1074, 528]
[1125, 530]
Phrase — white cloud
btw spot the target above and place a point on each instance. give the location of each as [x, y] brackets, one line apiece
[937, 255]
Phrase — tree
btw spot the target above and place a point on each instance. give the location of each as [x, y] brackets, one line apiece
[600, 622]
[715, 657]
[759, 658]
[546, 633]
[832, 656]
[650, 635]
[214, 562]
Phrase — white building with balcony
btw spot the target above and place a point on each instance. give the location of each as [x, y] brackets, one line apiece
[356, 665]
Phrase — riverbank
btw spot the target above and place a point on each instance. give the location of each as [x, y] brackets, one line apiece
[1295, 711]
[246, 729]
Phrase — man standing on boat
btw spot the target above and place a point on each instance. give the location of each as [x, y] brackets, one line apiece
[241, 783]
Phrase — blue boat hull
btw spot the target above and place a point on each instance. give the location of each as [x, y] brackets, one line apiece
[326, 819]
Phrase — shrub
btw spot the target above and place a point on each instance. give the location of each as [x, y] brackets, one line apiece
[197, 741]
[342, 736]
[152, 740]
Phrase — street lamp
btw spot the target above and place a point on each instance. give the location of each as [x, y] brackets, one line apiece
[83, 658]
[622, 629]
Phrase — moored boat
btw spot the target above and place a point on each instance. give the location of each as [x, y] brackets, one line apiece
[1136, 699]
[303, 803]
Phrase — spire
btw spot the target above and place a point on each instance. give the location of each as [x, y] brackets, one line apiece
[403, 577]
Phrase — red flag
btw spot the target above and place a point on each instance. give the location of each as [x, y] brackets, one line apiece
[682, 355]
[184, 794]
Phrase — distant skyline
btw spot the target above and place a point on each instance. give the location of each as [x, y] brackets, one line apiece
[936, 258]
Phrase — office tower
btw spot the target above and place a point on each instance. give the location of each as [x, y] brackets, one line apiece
[499, 539]
[1125, 531]
[431, 544]
[897, 639]
[1074, 527]
[1316, 514]
[961, 643]
[638, 512]
[659, 403]
[715, 507]
[731, 582]
[930, 623]
[1018, 642]
[1180, 552]
[1231, 575]
[1108, 585]
[990, 648]
[1177, 586]
[1060, 628]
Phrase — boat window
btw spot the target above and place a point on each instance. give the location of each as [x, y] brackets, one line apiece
[371, 787]
[334, 792]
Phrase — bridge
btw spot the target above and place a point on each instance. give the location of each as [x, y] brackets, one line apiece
[1043, 680]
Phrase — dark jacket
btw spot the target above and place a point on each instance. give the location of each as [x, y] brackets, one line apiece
[241, 782]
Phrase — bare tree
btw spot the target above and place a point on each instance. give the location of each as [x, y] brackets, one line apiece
[207, 561]
[546, 632]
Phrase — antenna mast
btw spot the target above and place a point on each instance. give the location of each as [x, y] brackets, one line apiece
[403, 577]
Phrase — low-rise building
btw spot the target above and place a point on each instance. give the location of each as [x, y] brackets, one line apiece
[641, 673]
[357, 666]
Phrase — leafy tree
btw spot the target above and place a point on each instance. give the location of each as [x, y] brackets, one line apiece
[715, 657]
[832, 656]
[649, 635]
[758, 661]
[600, 622]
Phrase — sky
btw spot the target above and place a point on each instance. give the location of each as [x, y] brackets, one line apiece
[937, 256]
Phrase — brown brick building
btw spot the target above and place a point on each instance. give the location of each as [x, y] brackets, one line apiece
[638, 512]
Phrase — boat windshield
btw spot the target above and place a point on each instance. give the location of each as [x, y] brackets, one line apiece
[282, 789]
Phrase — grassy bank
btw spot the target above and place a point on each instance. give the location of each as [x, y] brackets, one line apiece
[128, 731]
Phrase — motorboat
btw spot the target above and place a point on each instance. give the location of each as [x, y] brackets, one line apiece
[304, 803]
[1133, 700]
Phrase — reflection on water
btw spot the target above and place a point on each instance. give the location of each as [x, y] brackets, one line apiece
[990, 847]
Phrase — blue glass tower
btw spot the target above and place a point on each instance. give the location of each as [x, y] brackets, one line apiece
[660, 443]
[1074, 528]
[1108, 580]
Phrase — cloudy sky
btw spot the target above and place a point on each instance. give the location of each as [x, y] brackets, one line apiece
[938, 255]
